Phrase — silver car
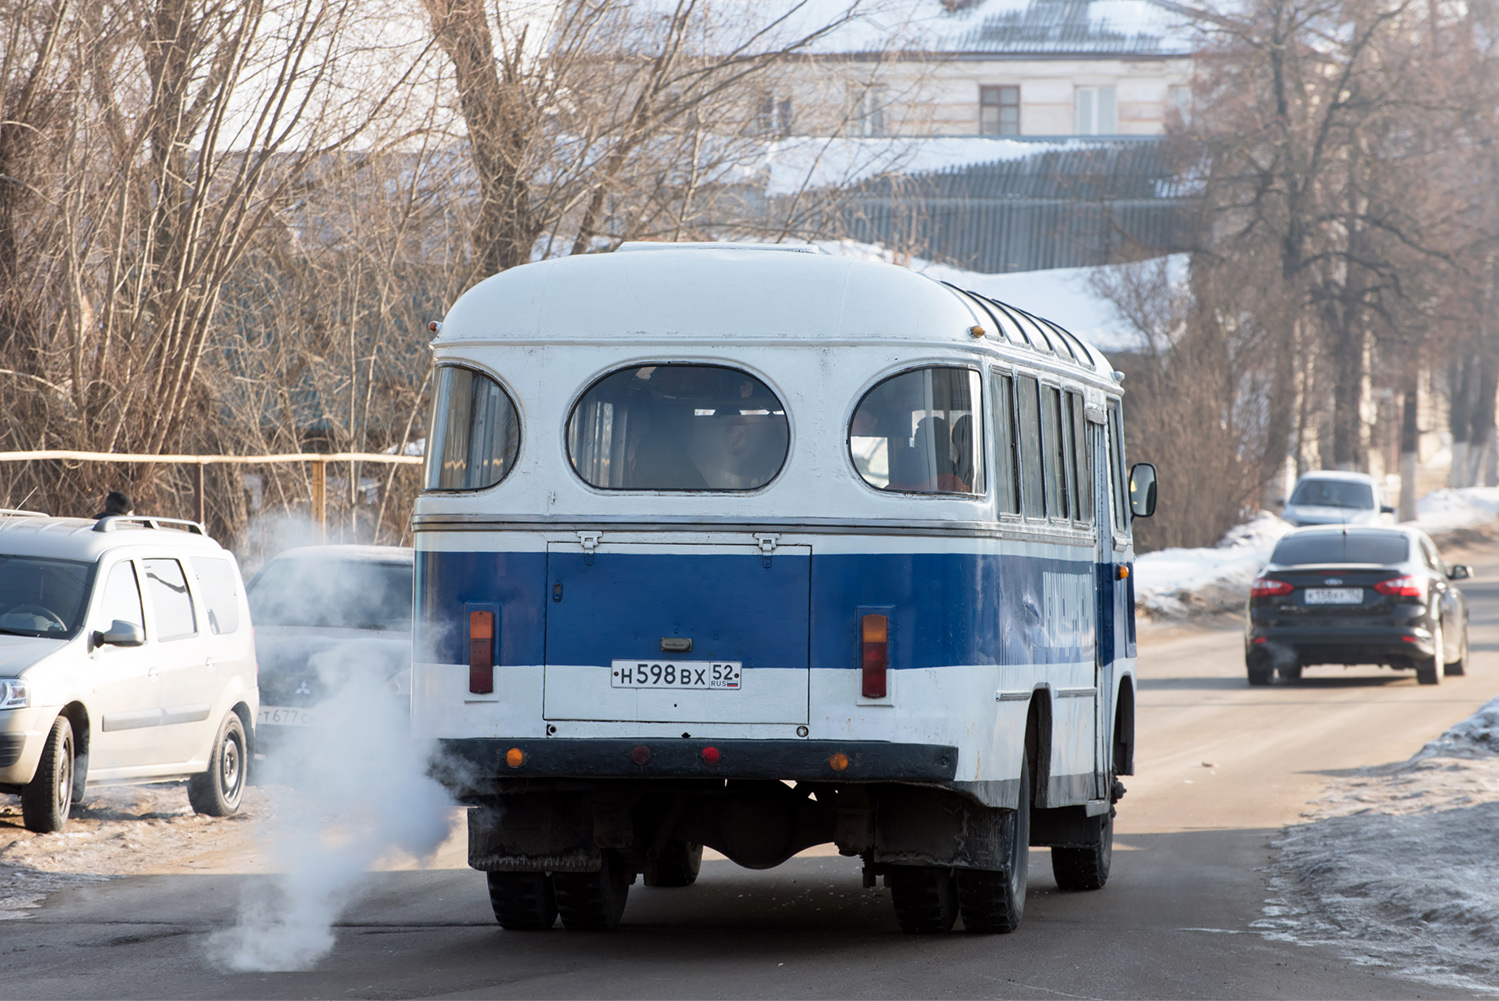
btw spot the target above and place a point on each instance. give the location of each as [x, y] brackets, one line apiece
[332, 625]
[1327, 497]
[125, 656]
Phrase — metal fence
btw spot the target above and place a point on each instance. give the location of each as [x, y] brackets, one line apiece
[1079, 205]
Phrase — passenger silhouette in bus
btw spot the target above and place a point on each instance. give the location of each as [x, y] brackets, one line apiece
[962, 447]
[928, 465]
[655, 458]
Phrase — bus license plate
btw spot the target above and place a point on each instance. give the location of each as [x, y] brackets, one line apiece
[706, 675]
[1334, 596]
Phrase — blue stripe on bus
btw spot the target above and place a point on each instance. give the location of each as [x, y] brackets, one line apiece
[947, 608]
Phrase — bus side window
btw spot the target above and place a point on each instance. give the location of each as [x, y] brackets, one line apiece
[1082, 458]
[1029, 412]
[1116, 470]
[1004, 444]
[1056, 451]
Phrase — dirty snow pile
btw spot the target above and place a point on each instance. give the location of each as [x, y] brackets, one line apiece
[1399, 864]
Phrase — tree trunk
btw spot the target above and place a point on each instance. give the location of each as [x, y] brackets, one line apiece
[1459, 417]
[1481, 460]
[1409, 442]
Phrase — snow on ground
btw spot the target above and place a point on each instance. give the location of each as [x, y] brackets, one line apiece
[1176, 582]
[116, 831]
[1399, 864]
[804, 163]
[1446, 509]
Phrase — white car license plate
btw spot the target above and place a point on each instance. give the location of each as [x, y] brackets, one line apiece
[285, 716]
[705, 675]
[1334, 596]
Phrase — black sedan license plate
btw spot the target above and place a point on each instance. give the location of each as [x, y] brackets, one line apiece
[703, 675]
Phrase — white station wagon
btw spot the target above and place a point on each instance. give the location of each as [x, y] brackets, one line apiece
[126, 656]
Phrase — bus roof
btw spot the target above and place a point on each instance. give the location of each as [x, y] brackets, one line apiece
[740, 293]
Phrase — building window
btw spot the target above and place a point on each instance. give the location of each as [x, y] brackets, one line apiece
[773, 116]
[869, 111]
[999, 111]
[1095, 111]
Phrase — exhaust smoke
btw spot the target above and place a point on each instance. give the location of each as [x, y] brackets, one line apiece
[346, 794]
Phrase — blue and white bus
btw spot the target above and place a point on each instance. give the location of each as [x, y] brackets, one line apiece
[758, 549]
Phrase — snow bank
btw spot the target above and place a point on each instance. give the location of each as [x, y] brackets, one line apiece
[1446, 509]
[1400, 864]
[1173, 582]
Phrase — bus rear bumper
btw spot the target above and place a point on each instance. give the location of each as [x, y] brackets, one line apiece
[477, 762]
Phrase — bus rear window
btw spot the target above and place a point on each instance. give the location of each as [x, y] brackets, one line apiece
[678, 427]
[918, 432]
[475, 432]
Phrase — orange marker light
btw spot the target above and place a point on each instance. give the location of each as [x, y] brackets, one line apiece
[875, 655]
[1123, 573]
[515, 757]
[838, 762]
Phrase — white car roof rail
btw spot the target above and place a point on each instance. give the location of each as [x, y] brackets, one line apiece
[15, 512]
[111, 522]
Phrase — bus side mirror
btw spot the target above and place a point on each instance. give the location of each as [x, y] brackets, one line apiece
[1142, 486]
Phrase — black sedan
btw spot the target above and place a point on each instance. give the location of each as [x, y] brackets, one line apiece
[1357, 595]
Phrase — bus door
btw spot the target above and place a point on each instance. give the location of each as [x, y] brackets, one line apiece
[681, 634]
[1107, 575]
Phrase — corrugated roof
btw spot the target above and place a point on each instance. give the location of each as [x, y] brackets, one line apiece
[1068, 27]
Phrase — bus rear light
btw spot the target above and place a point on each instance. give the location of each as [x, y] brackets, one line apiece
[838, 762]
[1269, 587]
[710, 755]
[640, 754]
[481, 652]
[1403, 587]
[515, 757]
[875, 659]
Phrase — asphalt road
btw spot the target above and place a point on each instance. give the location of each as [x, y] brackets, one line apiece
[1220, 769]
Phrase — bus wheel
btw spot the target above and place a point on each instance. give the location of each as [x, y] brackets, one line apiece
[593, 901]
[926, 898]
[677, 865]
[993, 900]
[522, 901]
[1086, 867]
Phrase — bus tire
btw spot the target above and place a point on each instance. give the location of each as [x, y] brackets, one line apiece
[993, 900]
[522, 901]
[926, 898]
[1086, 867]
[677, 865]
[593, 901]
